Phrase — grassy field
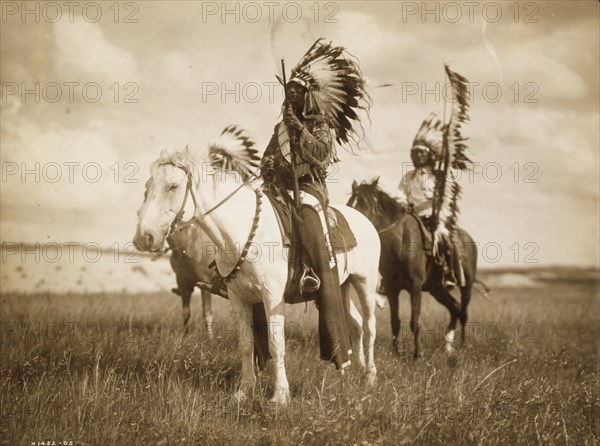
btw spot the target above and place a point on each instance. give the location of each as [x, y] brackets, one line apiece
[114, 369]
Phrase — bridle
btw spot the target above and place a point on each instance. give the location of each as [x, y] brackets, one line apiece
[189, 190]
[176, 225]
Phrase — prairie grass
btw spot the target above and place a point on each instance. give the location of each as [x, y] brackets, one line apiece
[115, 369]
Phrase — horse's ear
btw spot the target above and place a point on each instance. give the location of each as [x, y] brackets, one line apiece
[376, 181]
[354, 185]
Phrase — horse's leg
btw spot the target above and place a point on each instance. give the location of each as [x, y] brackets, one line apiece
[207, 313]
[368, 302]
[447, 300]
[467, 253]
[354, 321]
[465, 298]
[415, 313]
[185, 290]
[276, 324]
[243, 313]
[393, 295]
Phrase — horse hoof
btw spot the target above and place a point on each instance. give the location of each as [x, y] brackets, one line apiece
[452, 361]
[240, 396]
[396, 346]
[281, 397]
[371, 377]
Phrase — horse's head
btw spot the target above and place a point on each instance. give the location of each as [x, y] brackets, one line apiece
[166, 193]
[375, 204]
[175, 177]
[364, 199]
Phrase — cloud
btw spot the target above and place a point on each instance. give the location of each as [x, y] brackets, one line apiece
[172, 53]
[83, 51]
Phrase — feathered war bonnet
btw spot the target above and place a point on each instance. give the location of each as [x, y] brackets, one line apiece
[430, 136]
[335, 90]
[234, 150]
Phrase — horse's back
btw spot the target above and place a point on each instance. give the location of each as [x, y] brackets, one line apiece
[360, 225]
[365, 256]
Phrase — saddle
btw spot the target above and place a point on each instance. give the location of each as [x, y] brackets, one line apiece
[302, 282]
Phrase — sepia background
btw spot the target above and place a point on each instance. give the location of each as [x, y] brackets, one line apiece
[91, 95]
[93, 350]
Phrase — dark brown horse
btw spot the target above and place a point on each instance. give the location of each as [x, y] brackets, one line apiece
[189, 260]
[404, 264]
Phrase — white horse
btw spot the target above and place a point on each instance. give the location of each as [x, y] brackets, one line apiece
[244, 230]
[191, 256]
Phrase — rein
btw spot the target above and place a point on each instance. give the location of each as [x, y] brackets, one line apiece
[387, 228]
[188, 191]
[248, 243]
[175, 225]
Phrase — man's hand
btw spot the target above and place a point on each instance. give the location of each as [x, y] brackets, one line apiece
[267, 166]
[291, 120]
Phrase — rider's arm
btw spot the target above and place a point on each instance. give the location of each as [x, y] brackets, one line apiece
[267, 162]
[403, 192]
[316, 142]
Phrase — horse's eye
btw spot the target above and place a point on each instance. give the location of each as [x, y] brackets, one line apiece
[173, 187]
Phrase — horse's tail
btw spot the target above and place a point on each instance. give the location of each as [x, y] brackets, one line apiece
[485, 290]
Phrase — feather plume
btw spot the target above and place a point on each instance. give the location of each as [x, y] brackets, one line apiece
[234, 150]
[460, 107]
[337, 87]
[454, 150]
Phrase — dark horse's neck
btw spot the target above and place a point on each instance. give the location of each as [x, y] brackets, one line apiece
[391, 210]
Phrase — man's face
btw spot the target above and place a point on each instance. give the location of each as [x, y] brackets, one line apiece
[295, 94]
[420, 157]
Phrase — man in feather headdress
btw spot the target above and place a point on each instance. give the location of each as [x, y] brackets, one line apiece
[324, 90]
[418, 189]
[438, 147]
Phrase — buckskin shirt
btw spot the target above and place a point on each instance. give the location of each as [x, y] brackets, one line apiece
[313, 142]
[418, 186]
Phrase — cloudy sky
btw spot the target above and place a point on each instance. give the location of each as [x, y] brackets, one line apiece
[92, 93]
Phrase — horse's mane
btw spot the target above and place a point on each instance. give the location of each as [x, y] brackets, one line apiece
[383, 202]
[185, 158]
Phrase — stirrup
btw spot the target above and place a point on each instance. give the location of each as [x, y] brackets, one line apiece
[309, 282]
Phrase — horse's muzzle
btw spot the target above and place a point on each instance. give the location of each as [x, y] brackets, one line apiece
[145, 241]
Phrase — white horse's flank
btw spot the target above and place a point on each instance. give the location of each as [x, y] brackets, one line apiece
[263, 275]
